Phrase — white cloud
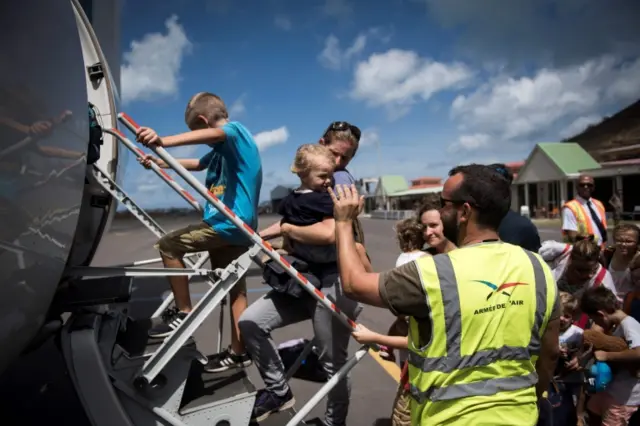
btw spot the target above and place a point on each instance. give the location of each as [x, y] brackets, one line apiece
[238, 107]
[335, 58]
[579, 125]
[470, 142]
[398, 78]
[369, 137]
[282, 22]
[152, 65]
[271, 138]
[511, 108]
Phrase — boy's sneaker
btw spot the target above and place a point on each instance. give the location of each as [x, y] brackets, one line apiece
[170, 320]
[268, 403]
[226, 360]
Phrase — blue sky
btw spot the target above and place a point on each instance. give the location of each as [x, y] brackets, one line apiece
[432, 83]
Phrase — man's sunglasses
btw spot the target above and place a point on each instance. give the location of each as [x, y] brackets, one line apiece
[586, 185]
[341, 126]
[444, 201]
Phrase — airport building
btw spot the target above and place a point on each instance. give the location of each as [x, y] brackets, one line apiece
[608, 151]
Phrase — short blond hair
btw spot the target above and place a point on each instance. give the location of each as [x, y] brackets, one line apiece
[208, 105]
[303, 160]
[568, 302]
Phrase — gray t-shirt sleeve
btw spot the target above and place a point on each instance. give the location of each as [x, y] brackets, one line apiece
[343, 177]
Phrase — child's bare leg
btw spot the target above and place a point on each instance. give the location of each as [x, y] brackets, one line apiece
[237, 356]
[179, 285]
[172, 248]
[239, 304]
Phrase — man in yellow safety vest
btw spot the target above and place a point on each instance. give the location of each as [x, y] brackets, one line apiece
[484, 319]
[584, 215]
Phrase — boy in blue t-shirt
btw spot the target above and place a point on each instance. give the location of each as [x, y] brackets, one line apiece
[234, 175]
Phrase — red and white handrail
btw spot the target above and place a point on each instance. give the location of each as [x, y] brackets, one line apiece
[157, 169]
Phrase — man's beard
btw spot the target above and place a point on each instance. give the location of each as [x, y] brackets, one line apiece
[451, 229]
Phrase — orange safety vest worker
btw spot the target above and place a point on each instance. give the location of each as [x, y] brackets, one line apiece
[583, 218]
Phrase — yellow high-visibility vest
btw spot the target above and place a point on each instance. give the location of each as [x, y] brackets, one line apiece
[489, 306]
[583, 218]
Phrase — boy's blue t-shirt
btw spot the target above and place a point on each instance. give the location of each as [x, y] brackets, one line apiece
[234, 175]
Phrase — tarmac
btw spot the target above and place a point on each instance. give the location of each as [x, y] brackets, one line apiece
[374, 381]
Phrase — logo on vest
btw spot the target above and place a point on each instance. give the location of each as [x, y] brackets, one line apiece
[499, 289]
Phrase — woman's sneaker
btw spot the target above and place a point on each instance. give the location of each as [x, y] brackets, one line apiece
[169, 321]
[226, 360]
[268, 403]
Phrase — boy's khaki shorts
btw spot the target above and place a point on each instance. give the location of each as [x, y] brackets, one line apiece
[201, 237]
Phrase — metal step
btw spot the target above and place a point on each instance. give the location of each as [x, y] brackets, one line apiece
[134, 340]
[277, 419]
[103, 372]
[217, 392]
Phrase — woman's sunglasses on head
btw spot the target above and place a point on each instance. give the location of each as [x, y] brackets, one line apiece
[341, 126]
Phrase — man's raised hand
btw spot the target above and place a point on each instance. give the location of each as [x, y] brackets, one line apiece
[147, 137]
[347, 204]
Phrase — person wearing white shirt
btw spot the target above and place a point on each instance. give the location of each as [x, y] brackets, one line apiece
[584, 215]
[618, 257]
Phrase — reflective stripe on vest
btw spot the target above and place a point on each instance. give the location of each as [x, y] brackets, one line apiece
[583, 216]
[483, 388]
[454, 360]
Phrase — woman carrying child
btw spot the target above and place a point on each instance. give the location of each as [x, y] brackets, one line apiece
[309, 206]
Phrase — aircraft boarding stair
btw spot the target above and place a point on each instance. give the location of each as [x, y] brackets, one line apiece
[122, 376]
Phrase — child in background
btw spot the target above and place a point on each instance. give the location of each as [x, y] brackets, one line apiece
[409, 234]
[570, 334]
[621, 399]
[564, 393]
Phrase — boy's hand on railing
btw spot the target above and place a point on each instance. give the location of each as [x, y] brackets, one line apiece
[147, 160]
[147, 137]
